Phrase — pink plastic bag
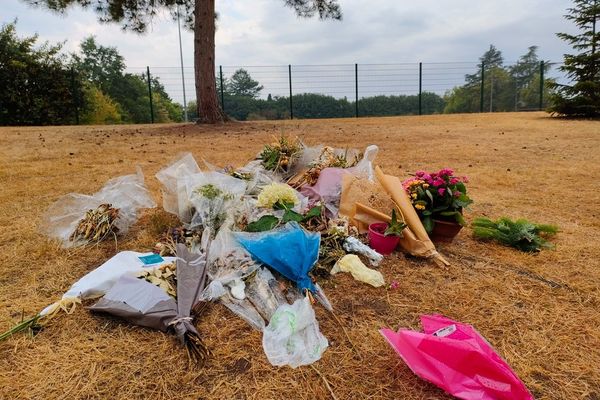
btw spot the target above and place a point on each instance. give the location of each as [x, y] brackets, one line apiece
[328, 189]
[455, 357]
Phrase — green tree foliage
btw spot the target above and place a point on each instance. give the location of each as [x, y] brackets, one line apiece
[491, 59]
[466, 98]
[36, 82]
[101, 65]
[243, 105]
[225, 85]
[526, 76]
[200, 17]
[98, 109]
[192, 109]
[462, 99]
[41, 86]
[505, 88]
[173, 112]
[313, 105]
[242, 84]
[247, 106]
[431, 103]
[239, 107]
[104, 68]
[582, 97]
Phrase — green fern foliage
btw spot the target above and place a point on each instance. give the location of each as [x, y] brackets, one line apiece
[520, 234]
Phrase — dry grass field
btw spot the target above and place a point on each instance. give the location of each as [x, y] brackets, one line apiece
[541, 312]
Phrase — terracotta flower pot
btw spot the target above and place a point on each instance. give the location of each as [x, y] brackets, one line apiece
[379, 242]
[445, 231]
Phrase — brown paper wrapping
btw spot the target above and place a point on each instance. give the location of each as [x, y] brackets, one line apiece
[369, 194]
[352, 205]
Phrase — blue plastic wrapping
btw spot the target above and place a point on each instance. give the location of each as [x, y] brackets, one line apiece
[289, 250]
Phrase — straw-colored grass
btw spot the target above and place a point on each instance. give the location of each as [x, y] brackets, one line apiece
[541, 312]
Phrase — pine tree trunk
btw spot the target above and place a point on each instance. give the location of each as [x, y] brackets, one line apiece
[209, 110]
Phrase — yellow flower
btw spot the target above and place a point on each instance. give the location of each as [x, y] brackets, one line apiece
[275, 192]
[419, 206]
[425, 185]
[414, 195]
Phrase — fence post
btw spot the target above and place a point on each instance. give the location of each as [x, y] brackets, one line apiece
[482, 86]
[491, 90]
[420, 88]
[290, 80]
[75, 95]
[150, 95]
[356, 90]
[222, 95]
[541, 85]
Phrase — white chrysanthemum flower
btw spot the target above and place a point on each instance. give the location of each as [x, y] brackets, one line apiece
[275, 192]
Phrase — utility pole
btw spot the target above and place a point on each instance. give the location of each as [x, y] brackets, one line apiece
[594, 30]
[185, 113]
[482, 86]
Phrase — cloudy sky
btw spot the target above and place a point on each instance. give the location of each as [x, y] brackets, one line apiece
[264, 32]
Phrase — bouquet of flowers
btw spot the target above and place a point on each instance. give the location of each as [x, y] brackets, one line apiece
[438, 195]
[281, 154]
[96, 225]
[280, 196]
[328, 158]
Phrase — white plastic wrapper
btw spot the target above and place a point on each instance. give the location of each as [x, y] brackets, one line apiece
[313, 154]
[127, 289]
[353, 245]
[171, 178]
[293, 337]
[260, 177]
[97, 282]
[228, 265]
[128, 193]
[242, 307]
[224, 245]
[364, 168]
[245, 310]
[328, 187]
[210, 212]
[227, 281]
[322, 298]
[264, 293]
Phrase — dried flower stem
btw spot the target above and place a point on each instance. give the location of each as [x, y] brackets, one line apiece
[325, 381]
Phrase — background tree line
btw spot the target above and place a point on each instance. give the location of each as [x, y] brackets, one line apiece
[505, 88]
[242, 102]
[44, 86]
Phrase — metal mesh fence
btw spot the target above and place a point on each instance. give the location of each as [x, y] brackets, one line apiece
[348, 90]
